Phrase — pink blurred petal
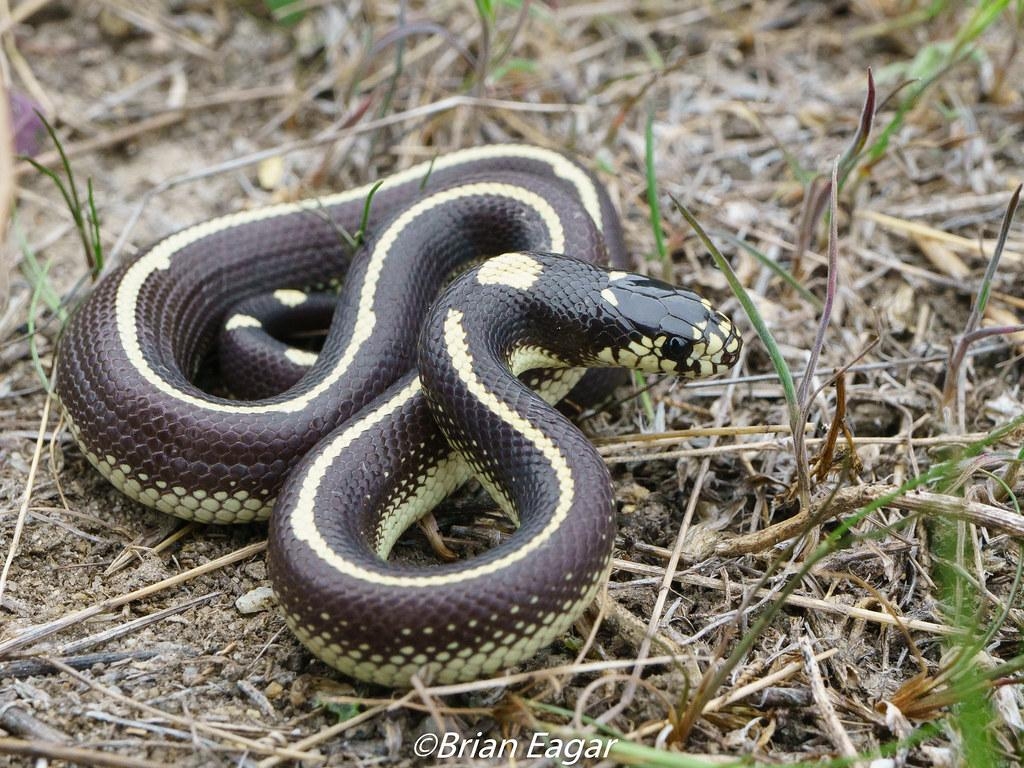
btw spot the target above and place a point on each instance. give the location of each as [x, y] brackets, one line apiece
[28, 127]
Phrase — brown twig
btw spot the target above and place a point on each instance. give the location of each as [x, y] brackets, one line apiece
[43, 750]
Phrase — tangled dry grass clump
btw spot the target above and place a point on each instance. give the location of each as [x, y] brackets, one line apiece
[819, 557]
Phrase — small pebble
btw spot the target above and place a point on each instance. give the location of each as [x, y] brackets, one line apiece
[273, 690]
[255, 600]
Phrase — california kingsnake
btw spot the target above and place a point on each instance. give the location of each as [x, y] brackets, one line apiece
[357, 438]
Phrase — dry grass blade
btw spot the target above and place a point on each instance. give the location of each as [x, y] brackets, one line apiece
[783, 674]
[826, 709]
[12, 548]
[40, 667]
[331, 733]
[77, 646]
[18, 722]
[11, 16]
[156, 24]
[1014, 254]
[105, 140]
[803, 394]
[177, 533]
[970, 334]
[422, 28]
[42, 750]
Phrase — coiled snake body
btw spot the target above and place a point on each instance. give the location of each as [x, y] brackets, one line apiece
[363, 445]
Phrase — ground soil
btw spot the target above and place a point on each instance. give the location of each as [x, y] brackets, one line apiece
[183, 110]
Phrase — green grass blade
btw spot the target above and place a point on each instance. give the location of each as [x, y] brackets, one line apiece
[985, 14]
[87, 225]
[94, 231]
[365, 220]
[426, 176]
[36, 275]
[777, 269]
[652, 196]
[760, 327]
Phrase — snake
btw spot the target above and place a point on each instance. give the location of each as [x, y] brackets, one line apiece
[486, 281]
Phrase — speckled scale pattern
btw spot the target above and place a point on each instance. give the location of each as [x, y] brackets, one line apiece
[227, 465]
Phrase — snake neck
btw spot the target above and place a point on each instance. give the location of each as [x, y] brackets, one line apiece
[530, 458]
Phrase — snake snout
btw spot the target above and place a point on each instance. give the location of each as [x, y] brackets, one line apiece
[671, 330]
[711, 346]
[723, 343]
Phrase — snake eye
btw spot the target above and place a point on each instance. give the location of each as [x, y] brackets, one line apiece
[677, 349]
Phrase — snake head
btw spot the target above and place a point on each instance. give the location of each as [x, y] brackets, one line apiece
[667, 329]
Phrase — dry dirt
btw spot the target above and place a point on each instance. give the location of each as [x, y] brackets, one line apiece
[183, 110]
